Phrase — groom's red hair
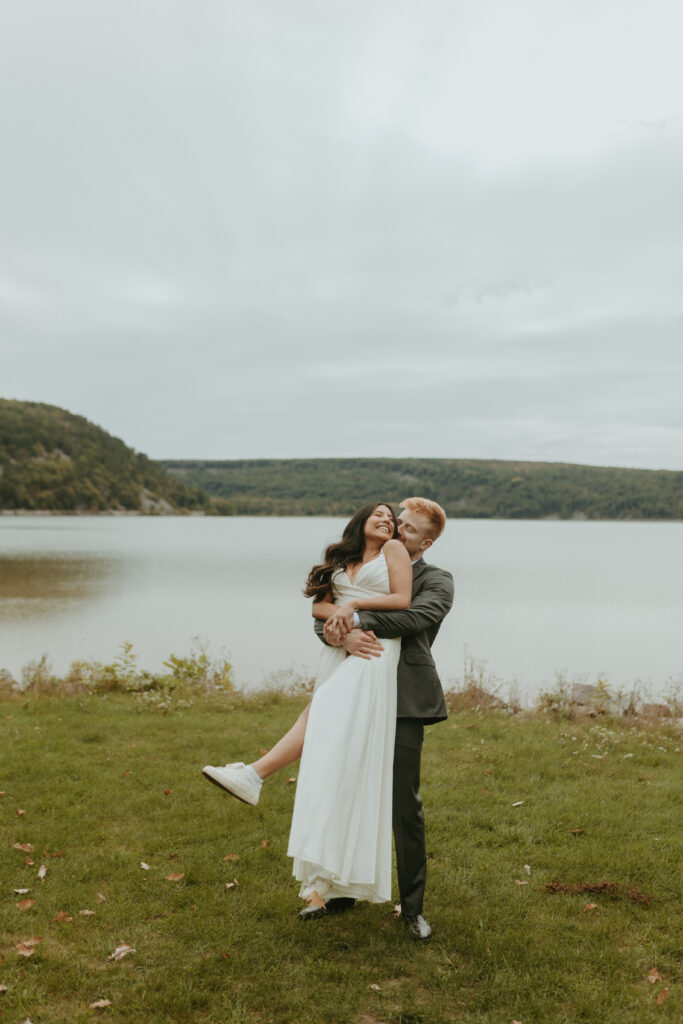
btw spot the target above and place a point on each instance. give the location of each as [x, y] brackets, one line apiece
[430, 510]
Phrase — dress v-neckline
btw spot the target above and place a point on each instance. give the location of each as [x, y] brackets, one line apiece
[360, 568]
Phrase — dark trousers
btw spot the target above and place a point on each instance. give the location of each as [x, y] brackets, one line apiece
[408, 819]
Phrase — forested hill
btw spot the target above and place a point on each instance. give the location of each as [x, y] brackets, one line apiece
[53, 460]
[467, 488]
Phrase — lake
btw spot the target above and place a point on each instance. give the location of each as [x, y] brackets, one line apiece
[588, 600]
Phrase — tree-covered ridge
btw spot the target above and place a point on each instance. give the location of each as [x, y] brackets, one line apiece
[467, 488]
[53, 460]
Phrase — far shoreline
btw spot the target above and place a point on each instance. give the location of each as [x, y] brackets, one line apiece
[40, 513]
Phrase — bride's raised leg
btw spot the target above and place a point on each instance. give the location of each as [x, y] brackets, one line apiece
[286, 750]
[245, 780]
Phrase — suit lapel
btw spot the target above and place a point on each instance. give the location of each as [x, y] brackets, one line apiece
[418, 569]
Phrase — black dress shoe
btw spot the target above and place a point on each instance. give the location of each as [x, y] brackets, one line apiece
[418, 928]
[340, 904]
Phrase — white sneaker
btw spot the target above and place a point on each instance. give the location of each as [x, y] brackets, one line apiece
[237, 779]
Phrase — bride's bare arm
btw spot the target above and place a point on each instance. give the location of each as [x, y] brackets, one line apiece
[323, 609]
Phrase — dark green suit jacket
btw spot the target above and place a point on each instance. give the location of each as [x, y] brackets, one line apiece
[420, 694]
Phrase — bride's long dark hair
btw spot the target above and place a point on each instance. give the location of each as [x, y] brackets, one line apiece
[346, 551]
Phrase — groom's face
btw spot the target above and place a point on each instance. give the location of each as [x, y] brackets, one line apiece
[414, 531]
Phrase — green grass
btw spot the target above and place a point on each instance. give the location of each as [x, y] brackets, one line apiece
[90, 775]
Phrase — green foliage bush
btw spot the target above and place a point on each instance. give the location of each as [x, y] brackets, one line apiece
[186, 676]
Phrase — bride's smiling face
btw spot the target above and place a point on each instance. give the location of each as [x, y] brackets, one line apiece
[380, 524]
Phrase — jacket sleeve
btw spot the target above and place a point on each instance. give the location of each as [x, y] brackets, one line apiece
[319, 627]
[430, 606]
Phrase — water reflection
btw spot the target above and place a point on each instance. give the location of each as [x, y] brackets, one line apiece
[52, 585]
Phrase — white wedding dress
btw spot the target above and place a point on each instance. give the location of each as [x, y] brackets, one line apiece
[341, 826]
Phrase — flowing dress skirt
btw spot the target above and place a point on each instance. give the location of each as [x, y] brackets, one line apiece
[341, 826]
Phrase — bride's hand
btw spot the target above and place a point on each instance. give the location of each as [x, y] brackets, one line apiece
[331, 635]
[341, 622]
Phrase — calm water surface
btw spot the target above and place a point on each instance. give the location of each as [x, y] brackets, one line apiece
[532, 598]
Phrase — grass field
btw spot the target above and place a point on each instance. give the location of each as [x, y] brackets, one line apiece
[98, 785]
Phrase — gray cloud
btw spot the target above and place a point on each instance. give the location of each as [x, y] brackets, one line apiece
[281, 230]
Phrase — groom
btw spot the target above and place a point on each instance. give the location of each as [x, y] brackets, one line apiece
[420, 702]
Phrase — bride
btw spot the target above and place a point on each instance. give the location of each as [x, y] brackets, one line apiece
[340, 837]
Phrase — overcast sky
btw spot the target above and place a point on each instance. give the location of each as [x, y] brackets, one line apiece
[290, 228]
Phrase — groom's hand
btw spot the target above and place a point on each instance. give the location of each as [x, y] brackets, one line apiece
[362, 644]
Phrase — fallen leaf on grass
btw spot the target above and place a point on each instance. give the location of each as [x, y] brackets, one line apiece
[20, 813]
[264, 843]
[29, 862]
[24, 847]
[101, 897]
[168, 792]
[28, 946]
[25, 904]
[576, 831]
[518, 803]
[173, 856]
[288, 781]
[3, 988]
[654, 976]
[375, 988]
[397, 910]
[262, 751]
[521, 881]
[87, 913]
[662, 996]
[3, 792]
[62, 916]
[145, 867]
[231, 885]
[591, 906]
[58, 853]
[232, 856]
[21, 892]
[175, 876]
[120, 952]
[42, 871]
[99, 1004]
[527, 868]
[315, 901]
[127, 773]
